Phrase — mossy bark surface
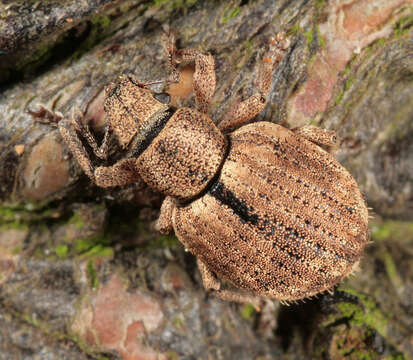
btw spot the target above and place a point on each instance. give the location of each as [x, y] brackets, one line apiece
[82, 272]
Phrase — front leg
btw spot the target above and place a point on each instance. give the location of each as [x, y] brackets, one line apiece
[121, 173]
[100, 151]
[76, 147]
[46, 116]
[204, 76]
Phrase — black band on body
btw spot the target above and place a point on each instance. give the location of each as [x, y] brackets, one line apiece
[225, 196]
[153, 132]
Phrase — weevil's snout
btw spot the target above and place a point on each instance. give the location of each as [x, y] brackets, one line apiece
[131, 107]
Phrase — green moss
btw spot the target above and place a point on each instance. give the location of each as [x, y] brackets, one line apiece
[98, 251]
[392, 271]
[22, 216]
[296, 29]
[365, 313]
[395, 357]
[12, 218]
[348, 83]
[309, 36]
[61, 251]
[381, 42]
[163, 241]
[248, 312]
[92, 244]
[41, 53]
[31, 320]
[101, 20]
[347, 70]
[351, 343]
[92, 275]
[13, 225]
[172, 355]
[83, 245]
[76, 220]
[403, 26]
[381, 232]
[178, 322]
[230, 14]
[99, 29]
[362, 354]
[320, 38]
[339, 97]
[7, 214]
[173, 4]
[319, 3]
[391, 229]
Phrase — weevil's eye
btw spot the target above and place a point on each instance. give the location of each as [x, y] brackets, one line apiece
[163, 98]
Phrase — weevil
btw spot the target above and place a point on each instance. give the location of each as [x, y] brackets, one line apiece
[267, 209]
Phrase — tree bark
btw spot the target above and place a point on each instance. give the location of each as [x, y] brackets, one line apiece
[84, 274]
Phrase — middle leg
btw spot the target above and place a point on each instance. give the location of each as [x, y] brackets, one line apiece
[212, 284]
[244, 111]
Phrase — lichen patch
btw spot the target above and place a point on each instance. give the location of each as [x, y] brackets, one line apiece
[348, 29]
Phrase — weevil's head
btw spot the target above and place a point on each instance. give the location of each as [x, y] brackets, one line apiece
[133, 109]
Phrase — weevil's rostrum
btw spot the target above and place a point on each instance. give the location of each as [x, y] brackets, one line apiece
[268, 209]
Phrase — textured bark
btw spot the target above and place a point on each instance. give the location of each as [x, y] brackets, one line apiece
[66, 247]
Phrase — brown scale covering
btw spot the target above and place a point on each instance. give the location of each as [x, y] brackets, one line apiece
[284, 220]
[131, 111]
[182, 166]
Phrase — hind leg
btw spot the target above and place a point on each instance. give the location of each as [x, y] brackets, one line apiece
[212, 284]
[326, 139]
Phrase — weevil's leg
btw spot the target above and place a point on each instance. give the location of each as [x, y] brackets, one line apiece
[164, 222]
[46, 116]
[122, 173]
[239, 297]
[169, 47]
[100, 151]
[326, 139]
[242, 112]
[211, 283]
[204, 76]
[76, 147]
[209, 280]
[69, 135]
